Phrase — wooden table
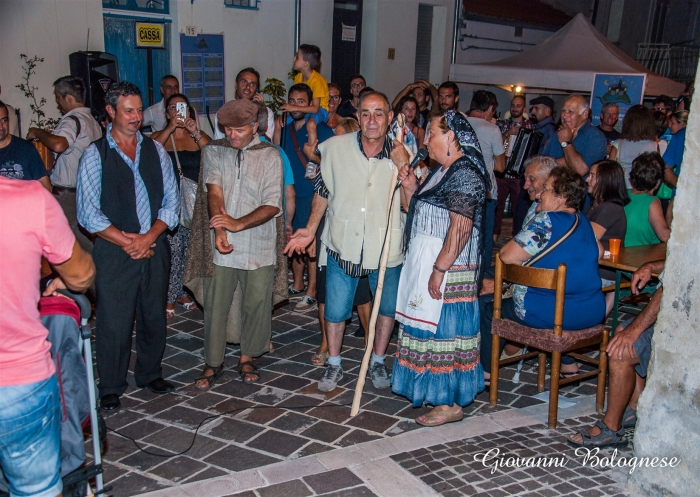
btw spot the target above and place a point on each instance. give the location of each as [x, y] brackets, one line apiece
[627, 262]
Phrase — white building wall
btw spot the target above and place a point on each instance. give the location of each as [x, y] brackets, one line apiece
[393, 24]
[51, 29]
[262, 38]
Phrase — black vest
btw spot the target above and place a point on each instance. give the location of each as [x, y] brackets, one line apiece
[118, 199]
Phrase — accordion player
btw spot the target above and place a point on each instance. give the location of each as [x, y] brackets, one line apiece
[525, 145]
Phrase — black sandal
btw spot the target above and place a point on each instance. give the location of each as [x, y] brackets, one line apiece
[244, 374]
[606, 437]
[629, 418]
[210, 379]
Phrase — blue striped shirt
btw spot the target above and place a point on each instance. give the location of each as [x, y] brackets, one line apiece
[89, 189]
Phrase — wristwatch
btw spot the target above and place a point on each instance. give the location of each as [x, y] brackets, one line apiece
[564, 144]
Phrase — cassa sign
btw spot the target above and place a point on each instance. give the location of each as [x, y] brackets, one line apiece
[149, 35]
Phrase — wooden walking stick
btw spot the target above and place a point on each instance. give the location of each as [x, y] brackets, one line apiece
[377, 300]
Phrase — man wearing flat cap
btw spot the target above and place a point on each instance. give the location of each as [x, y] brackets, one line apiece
[541, 110]
[242, 184]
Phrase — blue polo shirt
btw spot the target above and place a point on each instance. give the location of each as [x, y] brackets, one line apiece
[550, 144]
[590, 143]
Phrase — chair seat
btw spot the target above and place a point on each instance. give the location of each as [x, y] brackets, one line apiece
[542, 339]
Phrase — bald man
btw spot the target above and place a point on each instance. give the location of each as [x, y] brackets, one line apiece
[581, 142]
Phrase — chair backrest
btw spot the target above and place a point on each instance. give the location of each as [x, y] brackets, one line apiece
[548, 279]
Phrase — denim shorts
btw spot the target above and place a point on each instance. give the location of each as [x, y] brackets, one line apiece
[340, 291]
[642, 347]
[30, 438]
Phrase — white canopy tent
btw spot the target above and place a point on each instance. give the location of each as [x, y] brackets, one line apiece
[566, 61]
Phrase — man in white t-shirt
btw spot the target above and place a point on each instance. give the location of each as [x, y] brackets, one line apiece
[248, 87]
[481, 111]
[75, 131]
[154, 116]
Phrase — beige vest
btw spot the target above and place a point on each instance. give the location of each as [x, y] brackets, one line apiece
[358, 202]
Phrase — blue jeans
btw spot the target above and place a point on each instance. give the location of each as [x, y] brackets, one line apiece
[340, 291]
[30, 438]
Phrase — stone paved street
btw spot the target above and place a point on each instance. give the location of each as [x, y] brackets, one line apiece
[263, 438]
[282, 418]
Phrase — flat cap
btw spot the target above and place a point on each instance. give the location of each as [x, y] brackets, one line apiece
[543, 100]
[237, 113]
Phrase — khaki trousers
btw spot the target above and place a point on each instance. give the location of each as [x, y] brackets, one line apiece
[256, 311]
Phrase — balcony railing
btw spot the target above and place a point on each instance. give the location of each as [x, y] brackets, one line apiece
[678, 63]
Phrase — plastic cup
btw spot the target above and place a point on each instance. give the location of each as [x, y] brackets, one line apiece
[614, 244]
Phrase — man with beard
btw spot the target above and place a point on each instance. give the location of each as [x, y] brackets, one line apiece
[541, 112]
[293, 137]
[508, 185]
[448, 96]
[248, 87]
[353, 185]
[127, 195]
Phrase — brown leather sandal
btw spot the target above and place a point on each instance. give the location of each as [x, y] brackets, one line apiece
[210, 379]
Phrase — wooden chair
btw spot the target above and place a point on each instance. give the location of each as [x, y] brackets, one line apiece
[545, 341]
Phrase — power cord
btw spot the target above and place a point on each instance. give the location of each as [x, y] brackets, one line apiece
[209, 418]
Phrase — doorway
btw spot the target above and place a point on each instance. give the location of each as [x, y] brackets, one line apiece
[120, 40]
[347, 30]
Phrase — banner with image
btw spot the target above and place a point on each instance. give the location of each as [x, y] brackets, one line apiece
[625, 90]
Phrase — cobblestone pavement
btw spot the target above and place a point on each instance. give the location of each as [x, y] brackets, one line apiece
[282, 418]
[457, 469]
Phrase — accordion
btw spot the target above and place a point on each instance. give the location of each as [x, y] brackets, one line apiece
[526, 144]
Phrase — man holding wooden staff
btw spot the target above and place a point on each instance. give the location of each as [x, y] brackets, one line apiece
[356, 184]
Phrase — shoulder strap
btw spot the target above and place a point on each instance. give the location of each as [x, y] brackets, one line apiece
[302, 158]
[77, 125]
[177, 158]
[561, 240]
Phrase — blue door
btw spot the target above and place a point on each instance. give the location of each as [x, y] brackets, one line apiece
[120, 40]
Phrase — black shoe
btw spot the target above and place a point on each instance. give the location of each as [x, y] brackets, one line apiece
[110, 402]
[159, 385]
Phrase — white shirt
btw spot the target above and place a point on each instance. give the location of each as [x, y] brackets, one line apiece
[154, 116]
[218, 132]
[65, 173]
[491, 142]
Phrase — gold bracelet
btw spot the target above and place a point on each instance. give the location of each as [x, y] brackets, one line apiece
[443, 271]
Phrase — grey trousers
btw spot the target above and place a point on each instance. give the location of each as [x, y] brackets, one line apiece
[256, 310]
[67, 202]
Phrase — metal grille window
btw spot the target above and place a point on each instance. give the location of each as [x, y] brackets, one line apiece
[424, 37]
[242, 4]
[150, 6]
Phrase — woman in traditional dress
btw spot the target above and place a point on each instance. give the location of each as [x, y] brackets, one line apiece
[438, 352]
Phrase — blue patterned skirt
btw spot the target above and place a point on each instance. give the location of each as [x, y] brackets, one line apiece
[441, 368]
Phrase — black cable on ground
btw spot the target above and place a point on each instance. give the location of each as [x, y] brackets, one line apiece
[214, 416]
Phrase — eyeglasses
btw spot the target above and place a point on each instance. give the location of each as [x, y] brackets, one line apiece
[358, 85]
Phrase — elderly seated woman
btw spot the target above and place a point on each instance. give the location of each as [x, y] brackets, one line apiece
[584, 304]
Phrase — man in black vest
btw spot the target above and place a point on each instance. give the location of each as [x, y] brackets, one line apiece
[127, 195]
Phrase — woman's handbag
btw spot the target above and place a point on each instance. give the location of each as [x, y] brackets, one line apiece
[508, 292]
[188, 193]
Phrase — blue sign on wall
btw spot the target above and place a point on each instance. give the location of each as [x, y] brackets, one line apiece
[625, 90]
[202, 61]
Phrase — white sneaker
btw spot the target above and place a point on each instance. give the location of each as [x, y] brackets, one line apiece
[306, 304]
[331, 377]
